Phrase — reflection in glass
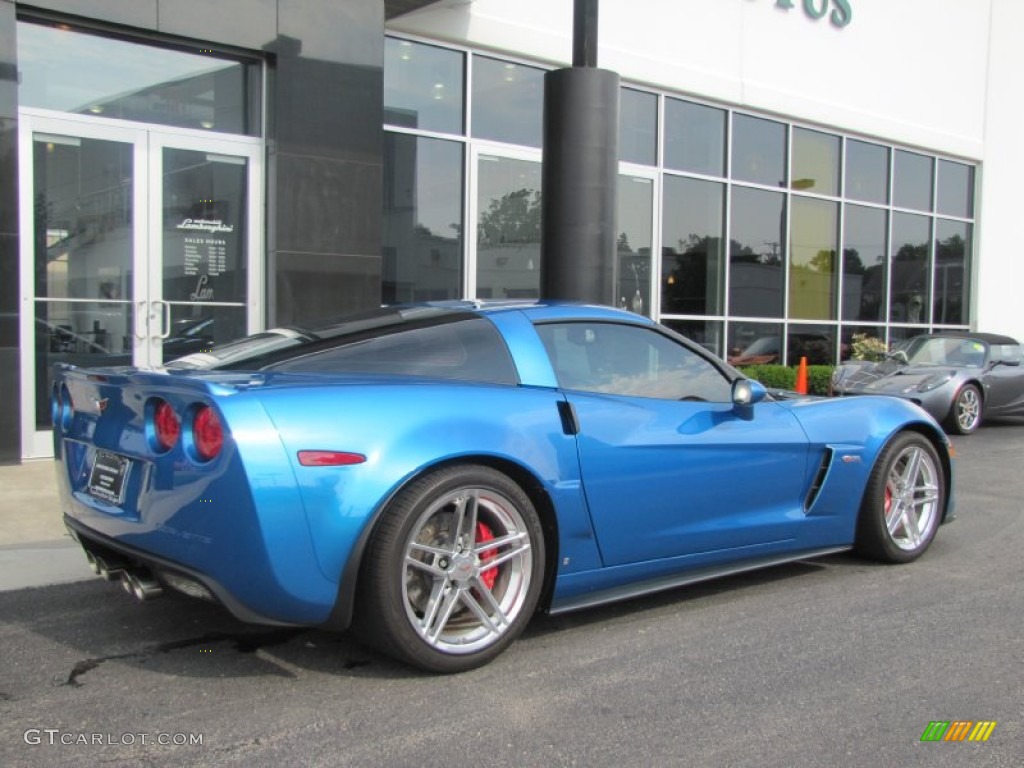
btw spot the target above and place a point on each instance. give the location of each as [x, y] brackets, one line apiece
[952, 262]
[508, 228]
[815, 342]
[911, 244]
[204, 226]
[864, 263]
[422, 219]
[422, 86]
[83, 218]
[692, 264]
[956, 189]
[199, 328]
[638, 127]
[694, 138]
[707, 333]
[867, 172]
[633, 244]
[508, 102]
[758, 150]
[912, 181]
[72, 71]
[815, 162]
[78, 333]
[813, 243]
[755, 343]
[869, 332]
[757, 245]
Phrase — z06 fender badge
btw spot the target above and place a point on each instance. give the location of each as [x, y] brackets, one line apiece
[850, 458]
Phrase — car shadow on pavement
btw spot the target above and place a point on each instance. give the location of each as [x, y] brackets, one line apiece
[80, 627]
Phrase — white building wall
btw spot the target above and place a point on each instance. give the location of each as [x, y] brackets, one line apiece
[1000, 265]
[934, 74]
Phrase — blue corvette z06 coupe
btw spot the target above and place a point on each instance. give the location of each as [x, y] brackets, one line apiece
[431, 476]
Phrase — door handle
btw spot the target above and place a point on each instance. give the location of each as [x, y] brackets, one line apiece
[141, 311]
[165, 317]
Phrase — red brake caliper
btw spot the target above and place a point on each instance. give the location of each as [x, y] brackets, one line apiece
[483, 534]
[888, 499]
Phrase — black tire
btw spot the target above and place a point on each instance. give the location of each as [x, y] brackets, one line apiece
[903, 502]
[965, 415]
[428, 595]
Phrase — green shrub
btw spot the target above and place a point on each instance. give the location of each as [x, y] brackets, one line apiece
[783, 377]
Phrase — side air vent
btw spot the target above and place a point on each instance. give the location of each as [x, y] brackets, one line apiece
[819, 479]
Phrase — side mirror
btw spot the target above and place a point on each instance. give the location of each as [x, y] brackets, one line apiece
[747, 392]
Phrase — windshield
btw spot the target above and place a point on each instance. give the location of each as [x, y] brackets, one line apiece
[962, 353]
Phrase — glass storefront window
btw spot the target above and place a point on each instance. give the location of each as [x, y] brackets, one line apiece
[757, 248]
[758, 150]
[508, 228]
[956, 189]
[815, 342]
[815, 162]
[707, 333]
[692, 246]
[508, 102]
[634, 242]
[814, 233]
[867, 172]
[638, 127]
[423, 86]
[911, 244]
[755, 343]
[694, 138]
[851, 334]
[73, 71]
[822, 230]
[952, 264]
[865, 276]
[912, 181]
[422, 219]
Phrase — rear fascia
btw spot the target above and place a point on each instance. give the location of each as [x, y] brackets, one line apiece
[237, 521]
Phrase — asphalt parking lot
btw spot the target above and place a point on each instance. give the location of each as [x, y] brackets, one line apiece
[828, 662]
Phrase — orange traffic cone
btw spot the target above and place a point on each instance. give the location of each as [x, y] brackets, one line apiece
[801, 377]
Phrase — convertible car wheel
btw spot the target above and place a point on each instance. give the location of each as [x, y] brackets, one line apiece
[903, 501]
[454, 570]
[965, 416]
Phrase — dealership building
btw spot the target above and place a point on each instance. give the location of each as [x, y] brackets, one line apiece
[175, 173]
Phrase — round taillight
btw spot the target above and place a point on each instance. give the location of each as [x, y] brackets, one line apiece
[166, 425]
[207, 433]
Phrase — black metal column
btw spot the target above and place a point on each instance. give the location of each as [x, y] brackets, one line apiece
[581, 141]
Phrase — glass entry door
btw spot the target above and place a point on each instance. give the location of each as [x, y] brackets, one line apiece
[139, 246]
[505, 209]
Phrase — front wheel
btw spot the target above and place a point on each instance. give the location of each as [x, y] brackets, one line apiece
[903, 501]
[965, 415]
[453, 571]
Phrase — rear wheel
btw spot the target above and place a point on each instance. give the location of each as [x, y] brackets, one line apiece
[903, 501]
[454, 570]
[965, 415]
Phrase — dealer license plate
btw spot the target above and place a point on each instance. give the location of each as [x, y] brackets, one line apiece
[108, 476]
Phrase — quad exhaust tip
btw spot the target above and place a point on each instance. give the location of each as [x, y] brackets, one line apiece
[136, 582]
[141, 586]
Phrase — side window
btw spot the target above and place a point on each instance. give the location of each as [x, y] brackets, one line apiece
[466, 350]
[630, 360]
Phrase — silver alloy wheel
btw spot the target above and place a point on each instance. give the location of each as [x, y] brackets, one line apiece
[968, 409]
[467, 569]
[912, 497]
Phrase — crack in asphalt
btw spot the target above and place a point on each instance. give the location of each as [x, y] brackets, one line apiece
[243, 642]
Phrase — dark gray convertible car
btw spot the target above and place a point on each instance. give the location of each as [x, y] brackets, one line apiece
[959, 378]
